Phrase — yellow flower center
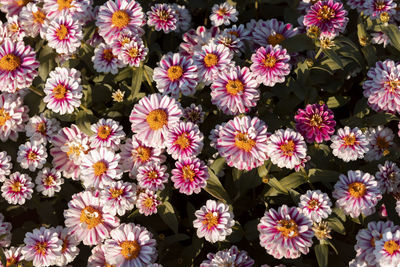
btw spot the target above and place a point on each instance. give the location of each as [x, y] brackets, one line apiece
[316, 120]
[234, 87]
[10, 62]
[222, 11]
[244, 142]
[133, 52]
[16, 187]
[188, 173]
[38, 16]
[41, 128]
[349, 140]
[288, 148]
[120, 19]
[116, 192]
[210, 220]
[157, 119]
[210, 60]
[312, 204]
[152, 175]
[32, 155]
[63, 4]
[144, 153]
[4, 116]
[41, 247]
[163, 15]
[75, 150]
[100, 168]
[393, 85]
[391, 247]
[275, 39]
[130, 249]
[49, 180]
[91, 217]
[125, 40]
[288, 228]
[59, 91]
[357, 189]
[269, 61]
[11, 261]
[108, 55]
[148, 203]
[325, 13]
[23, 2]
[62, 32]
[104, 132]
[183, 141]
[174, 73]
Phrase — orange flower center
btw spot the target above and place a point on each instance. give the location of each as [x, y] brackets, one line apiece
[10, 62]
[91, 217]
[41, 248]
[108, 55]
[49, 180]
[288, 228]
[116, 192]
[174, 73]
[133, 52]
[152, 175]
[357, 189]
[316, 120]
[269, 61]
[16, 187]
[62, 32]
[32, 155]
[163, 15]
[157, 119]
[120, 19]
[75, 150]
[100, 168]
[313, 204]
[393, 85]
[183, 141]
[325, 13]
[222, 11]
[275, 39]
[391, 247]
[130, 249]
[349, 140]
[210, 60]
[41, 127]
[4, 116]
[148, 203]
[104, 132]
[144, 153]
[63, 4]
[288, 148]
[234, 87]
[244, 142]
[38, 16]
[210, 220]
[188, 173]
[11, 261]
[59, 91]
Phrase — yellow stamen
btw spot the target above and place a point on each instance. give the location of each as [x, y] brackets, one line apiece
[157, 119]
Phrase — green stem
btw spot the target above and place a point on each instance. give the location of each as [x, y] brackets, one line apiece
[318, 53]
[35, 90]
[148, 81]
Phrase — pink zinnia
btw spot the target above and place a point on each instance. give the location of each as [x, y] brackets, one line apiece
[190, 176]
[17, 189]
[133, 53]
[316, 123]
[147, 202]
[162, 17]
[152, 177]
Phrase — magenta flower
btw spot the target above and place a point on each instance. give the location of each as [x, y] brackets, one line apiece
[190, 176]
[162, 17]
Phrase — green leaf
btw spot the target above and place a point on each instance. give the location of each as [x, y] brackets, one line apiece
[123, 74]
[215, 188]
[137, 78]
[84, 119]
[274, 183]
[336, 225]
[167, 214]
[334, 57]
[298, 43]
[218, 165]
[293, 180]
[321, 251]
[379, 119]
[169, 240]
[392, 31]
[337, 101]
[294, 195]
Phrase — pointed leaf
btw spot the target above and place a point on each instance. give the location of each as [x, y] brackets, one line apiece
[167, 214]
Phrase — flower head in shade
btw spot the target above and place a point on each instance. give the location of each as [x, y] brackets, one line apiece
[223, 14]
[387, 250]
[135, 154]
[40, 128]
[64, 34]
[34, 20]
[210, 60]
[14, 29]
[133, 53]
[5, 233]
[69, 249]
[242, 141]
[12, 7]
[176, 74]
[356, 4]
[270, 65]
[230, 41]
[228, 257]
[184, 141]
[375, 8]
[42, 247]
[32, 155]
[78, 9]
[329, 16]
[194, 114]
[108, 133]
[104, 60]
[69, 147]
[316, 123]
[357, 193]
[367, 239]
[388, 177]
[349, 144]
[18, 66]
[380, 140]
[98, 258]
[194, 40]
[86, 219]
[382, 87]
[183, 18]
[17, 188]
[118, 96]
[118, 197]
[322, 230]
[5, 165]
[286, 148]
[13, 256]
[315, 205]
[152, 177]
[13, 115]
[147, 202]
[117, 16]
[162, 17]
[152, 117]
[272, 32]
[63, 90]
[213, 221]
[285, 232]
[48, 182]
[99, 168]
[235, 91]
[131, 245]
[190, 175]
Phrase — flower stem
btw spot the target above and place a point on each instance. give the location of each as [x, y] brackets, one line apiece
[35, 90]
[148, 81]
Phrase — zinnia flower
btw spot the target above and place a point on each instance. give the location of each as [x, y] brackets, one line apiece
[349, 144]
[162, 17]
[104, 60]
[108, 133]
[315, 205]
[152, 176]
[388, 177]
[223, 14]
[118, 197]
[48, 182]
[40, 128]
[13, 115]
[228, 257]
[5, 165]
[380, 139]
[32, 155]
[190, 175]
[387, 250]
[272, 32]
[147, 202]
